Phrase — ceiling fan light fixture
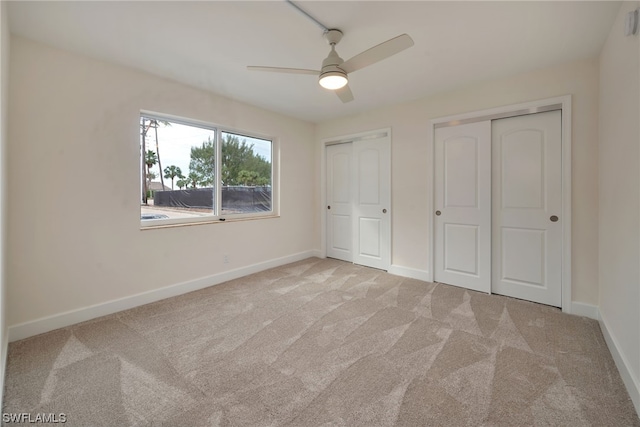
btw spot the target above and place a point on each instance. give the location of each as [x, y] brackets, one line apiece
[333, 80]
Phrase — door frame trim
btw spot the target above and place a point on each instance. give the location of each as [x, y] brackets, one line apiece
[562, 103]
[344, 139]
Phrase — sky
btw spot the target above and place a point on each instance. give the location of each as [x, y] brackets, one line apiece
[175, 144]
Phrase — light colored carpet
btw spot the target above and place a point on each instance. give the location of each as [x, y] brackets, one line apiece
[323, 342]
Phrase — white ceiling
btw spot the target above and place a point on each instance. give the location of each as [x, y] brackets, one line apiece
[208, 44]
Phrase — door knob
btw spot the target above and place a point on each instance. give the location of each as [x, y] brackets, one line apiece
[328, 207]
[554, 218]
[384, 211]
[438, 213]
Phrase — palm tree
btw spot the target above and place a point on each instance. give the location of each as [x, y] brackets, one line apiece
[171, 172]
[155, 126]
[193, 179]
[150, 159]
[182, 182]
[144, 126]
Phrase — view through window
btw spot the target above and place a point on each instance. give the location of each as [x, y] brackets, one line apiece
[179, 182]
[246, 174]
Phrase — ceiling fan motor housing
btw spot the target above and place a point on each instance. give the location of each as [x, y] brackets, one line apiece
[331, 64]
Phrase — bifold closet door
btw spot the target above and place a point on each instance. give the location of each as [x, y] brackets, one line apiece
[527, 207]
[462, 206]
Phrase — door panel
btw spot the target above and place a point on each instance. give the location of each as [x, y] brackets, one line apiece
[372, 200]
[341, 232]
[461, 172]
[463, 200]
[523, 169]
[340, 171]
[368, 182]
[527, 192]
[370, 229]
[461, 249]
[524, 264]
[339, 204]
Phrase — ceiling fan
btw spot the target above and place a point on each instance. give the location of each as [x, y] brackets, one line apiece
[333, 74]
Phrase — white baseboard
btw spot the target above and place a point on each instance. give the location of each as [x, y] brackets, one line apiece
[68, 318]
[586, 310]
[413, 273]
[622, 363]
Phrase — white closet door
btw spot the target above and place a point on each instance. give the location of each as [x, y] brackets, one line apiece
[372, 202]
[527, 205]
[339, 202]
[463, 206]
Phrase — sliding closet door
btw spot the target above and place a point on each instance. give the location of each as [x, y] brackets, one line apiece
[339, 202]
[372, 202]
[462, 206]
[358, 210]
[527, 207]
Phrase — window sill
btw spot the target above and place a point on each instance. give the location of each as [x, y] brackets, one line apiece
[207, 221]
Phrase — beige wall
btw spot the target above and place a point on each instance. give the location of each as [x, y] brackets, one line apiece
[74, 210]
[410, 182]
[619, 167]
[4, 94]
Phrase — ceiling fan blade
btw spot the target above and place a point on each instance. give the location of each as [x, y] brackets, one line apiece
[377, 53]
[345, 94]
[284, 70]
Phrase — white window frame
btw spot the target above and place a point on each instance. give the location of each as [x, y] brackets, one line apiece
[216, 217]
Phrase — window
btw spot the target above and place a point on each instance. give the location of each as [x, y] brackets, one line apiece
[179, 179]
[246, 174]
